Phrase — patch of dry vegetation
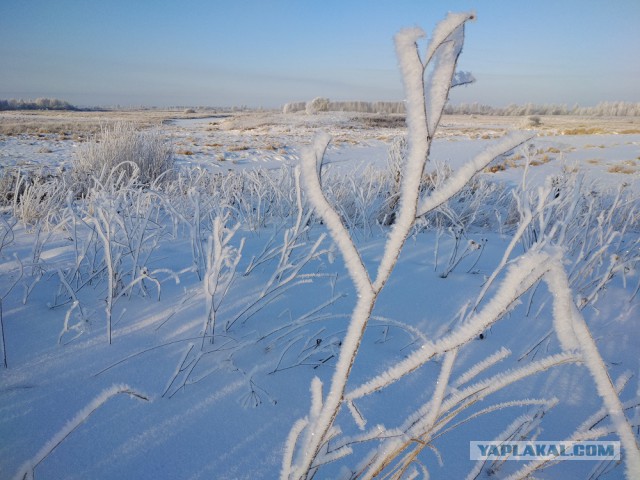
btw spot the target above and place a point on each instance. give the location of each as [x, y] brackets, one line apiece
[82, 123]
[238, 148]
[383, 121]
[584, 131]
[621, 169]
[627, 167]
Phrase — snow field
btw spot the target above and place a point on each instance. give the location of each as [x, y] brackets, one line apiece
[313, 309]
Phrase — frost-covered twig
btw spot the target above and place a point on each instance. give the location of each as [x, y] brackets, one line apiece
[481, 366]
[339, 233]
[430, 414]
[518, 429]
[221, 264]
[522, 274]
[574, 333]
[7, 235]
[26, 472]
[75, 304]
[4, 295]
[547, 220]
[461, 177]
[450, 408]
[586, 431]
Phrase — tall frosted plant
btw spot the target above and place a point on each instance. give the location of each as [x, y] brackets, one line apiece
[125, 221]
[428, 78]
[313, 433]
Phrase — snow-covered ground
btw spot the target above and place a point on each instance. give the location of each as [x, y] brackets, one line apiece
[224, 409]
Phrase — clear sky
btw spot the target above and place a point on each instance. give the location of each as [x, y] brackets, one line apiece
[269, 52]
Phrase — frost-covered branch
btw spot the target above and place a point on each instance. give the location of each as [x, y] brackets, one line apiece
[521, 276]
[26, 472]
[443, 51]
[586, 431]
[2, 297]
[311, 159]
[573, 332]
[455, 402]
[221, 265]
[462, 176]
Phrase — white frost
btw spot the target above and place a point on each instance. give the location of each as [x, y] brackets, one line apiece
[559, 286]
[460, 178]
[310, 160]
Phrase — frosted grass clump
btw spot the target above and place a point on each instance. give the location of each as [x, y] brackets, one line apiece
[144, 154]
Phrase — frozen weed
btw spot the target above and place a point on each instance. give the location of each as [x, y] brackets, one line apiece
[145, 153]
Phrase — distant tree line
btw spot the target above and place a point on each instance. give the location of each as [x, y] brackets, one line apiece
[37, 104]
[602, 109]
[320, 104]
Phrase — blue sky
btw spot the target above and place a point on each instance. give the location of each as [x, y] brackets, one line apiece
[266, 53]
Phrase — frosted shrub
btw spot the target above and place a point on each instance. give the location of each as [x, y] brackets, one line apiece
[7, 186]
[294, 107]
[122, 144]
[35, 197]
[534, 121]
[316, 105]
